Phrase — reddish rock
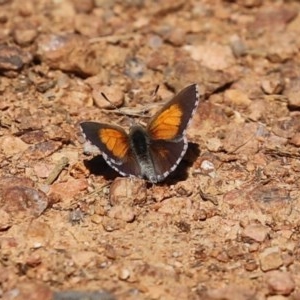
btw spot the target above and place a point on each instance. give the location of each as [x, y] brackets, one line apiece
[270, 199]
[34, 137]
[68, 52]
[43, 170]
[25, 33]
[128, 192]
[240, 139]
[255, 232]
[7, 182]
[273, 84]
[175, 35]
[270, 259]
[24, 199]
[157, 61]
[280, 283]
[211, 55]
[294, 100]
[69, 189]
[114, 95]
[89, 25]
[84, 258]
[42, 149]
[122, 212]
[274, 18]
[11, 145]
[295, 140]
[187, 70]
[13, 58]
[33, 260]
[235, 97]
[38, 234]
[112, 224]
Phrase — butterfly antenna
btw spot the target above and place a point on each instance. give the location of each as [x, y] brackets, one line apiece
[155, 91]
[131, 122]
[106, 98]
[153, 96]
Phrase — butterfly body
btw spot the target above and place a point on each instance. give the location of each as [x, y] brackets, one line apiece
[140, 143]
[152, 152]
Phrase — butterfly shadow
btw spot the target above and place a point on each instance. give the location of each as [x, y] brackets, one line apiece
[98, 166]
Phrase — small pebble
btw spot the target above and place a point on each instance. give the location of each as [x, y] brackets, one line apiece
[11, 145]
[25, 34]
[24, 199]
[280, 283]
[110, 252]
[273, 84]
[96, 219]
[126, 191]
[114, 95]
[122, 212]
[68, 52]
[270, 259]
[295, 140]
[294, 100]
[214, 144]
[13, 58]
[84, 258]
[124, 274]
[237, 46]
[236, 98]
[255, 232]
[112, 224]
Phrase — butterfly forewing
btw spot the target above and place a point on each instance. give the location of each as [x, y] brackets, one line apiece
[114, 144]
[171, 121]
[111, 140]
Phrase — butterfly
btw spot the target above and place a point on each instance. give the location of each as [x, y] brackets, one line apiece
[153, 152]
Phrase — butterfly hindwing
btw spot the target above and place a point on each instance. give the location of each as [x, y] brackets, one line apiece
[172, 120]
[166, 155]
[128, 166]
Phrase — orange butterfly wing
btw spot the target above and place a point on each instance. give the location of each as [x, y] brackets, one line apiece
[166, 124]
[171, 121]
[115, 141]
[111, 140]
[114, 144]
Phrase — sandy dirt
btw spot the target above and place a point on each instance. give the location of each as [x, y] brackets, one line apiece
[225, 225]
